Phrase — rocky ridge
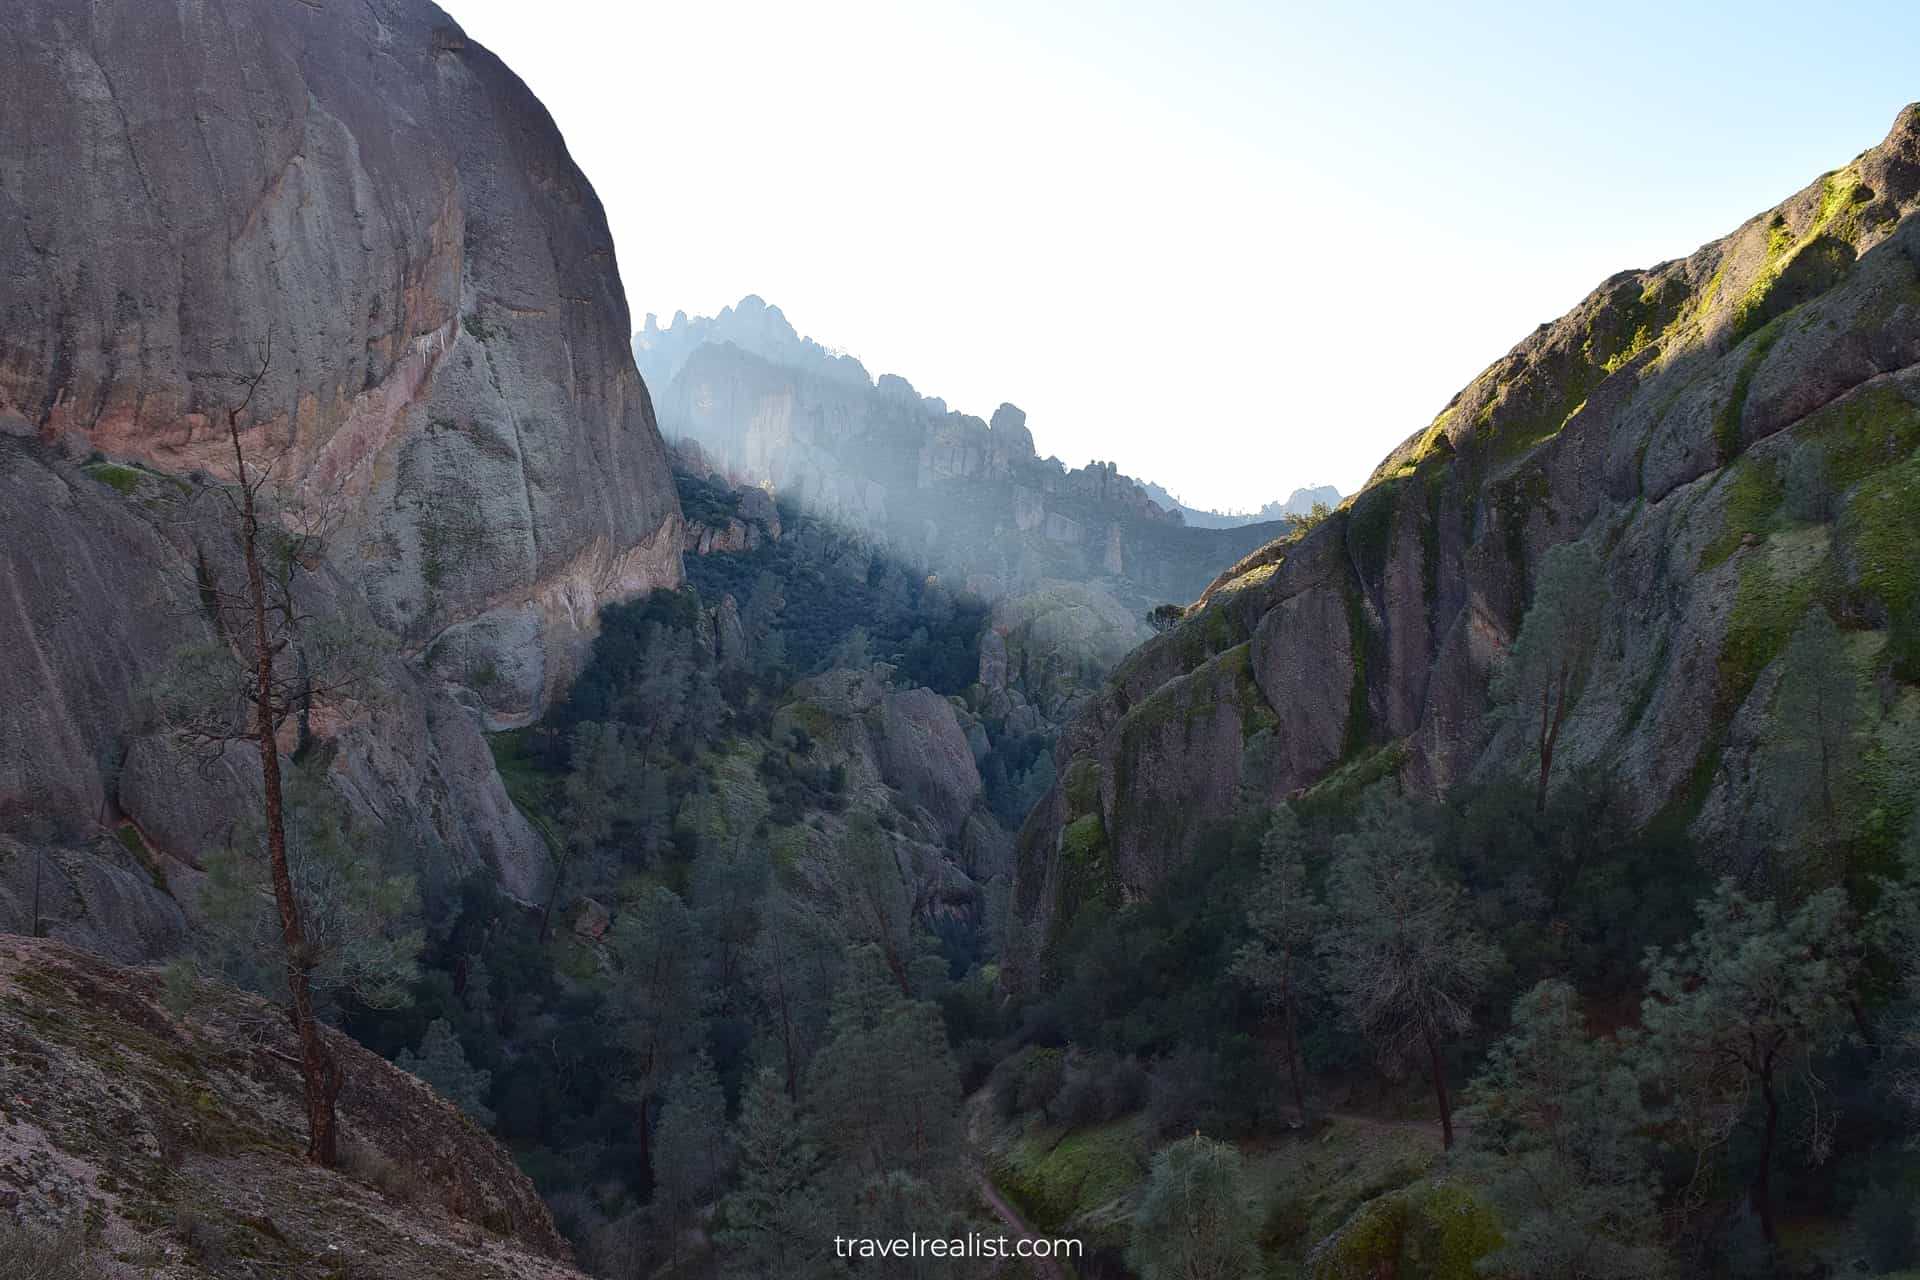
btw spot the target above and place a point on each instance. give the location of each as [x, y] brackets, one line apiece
[1663, 418]
[383, 216]
[947, 492]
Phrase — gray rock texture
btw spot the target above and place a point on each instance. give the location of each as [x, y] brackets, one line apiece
[384, 203]
[1664, 418]
[380, 211]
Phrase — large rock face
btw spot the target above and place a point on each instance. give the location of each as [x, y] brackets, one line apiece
[1668, 417]
[379, 212]
[385, 205]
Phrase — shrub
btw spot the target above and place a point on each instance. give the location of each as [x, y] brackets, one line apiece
[33, 1253]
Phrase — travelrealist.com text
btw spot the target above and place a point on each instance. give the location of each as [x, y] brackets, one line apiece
[968, 1246]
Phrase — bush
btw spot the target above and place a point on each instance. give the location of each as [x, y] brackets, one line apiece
[38, 1254]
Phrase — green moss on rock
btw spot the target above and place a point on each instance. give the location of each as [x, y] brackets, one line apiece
[1431, 1232]
[1876, 536]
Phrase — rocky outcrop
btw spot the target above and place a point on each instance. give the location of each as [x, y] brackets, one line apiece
[377, 207]
[924, 752]
[100, 595]
[1666, 418]
[172, 1125]
[943, 492]
[374, 211]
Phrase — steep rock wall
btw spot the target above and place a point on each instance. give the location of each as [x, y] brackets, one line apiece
[1660, 418]
[384, 205]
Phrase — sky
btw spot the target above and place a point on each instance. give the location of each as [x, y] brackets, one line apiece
[1235, 248]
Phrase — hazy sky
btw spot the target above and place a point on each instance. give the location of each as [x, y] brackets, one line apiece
[1235, 248]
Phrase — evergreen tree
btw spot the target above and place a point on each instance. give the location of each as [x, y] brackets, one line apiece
[728, 893]
[1402, 959]
[1283, 914]
[1194, 1222]
[773, 1216]
[884, 1090]
[792, 968]
[691, 1150]
[1546, 670]
[443, 1064]
[1733, 1015]
[657, 995]
[359, 912]
[1558, 1135]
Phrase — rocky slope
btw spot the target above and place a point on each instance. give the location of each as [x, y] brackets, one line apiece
[177, 1138]
[1665, 417]
[382, 212]
[969, 499]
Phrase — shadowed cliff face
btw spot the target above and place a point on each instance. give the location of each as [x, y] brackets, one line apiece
[1663, 417]
[388, 206]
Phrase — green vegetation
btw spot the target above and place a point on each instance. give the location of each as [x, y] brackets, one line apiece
[1060, 1179]
[1727, 422]
[1437, 1230]
[1754, 495]
[1875, 541]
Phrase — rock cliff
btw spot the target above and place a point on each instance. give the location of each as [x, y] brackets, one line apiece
[1667, 417]
[385, 207]
[945, 492]
[379, 212]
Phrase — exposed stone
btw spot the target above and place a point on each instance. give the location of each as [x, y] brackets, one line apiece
[394, 212]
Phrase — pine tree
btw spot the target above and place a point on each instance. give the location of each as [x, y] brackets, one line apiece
[1558, 1135]
[884, 1089]
[1194, 1222]
[773, 1216]
[1403, 962]
[1546, 670]
[443, 1064]
[1733, 1015]
[792, 968]
[1284, 915]
[691, 1150]
[656, 995]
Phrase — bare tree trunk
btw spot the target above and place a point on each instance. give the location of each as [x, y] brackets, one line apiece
[1293, 1066]
[1440, 1090]
[1545, 749]
[1762, 1192]
[320, 1074]
[553, 895]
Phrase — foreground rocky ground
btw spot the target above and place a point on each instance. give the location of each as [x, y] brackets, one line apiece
[162, 1125]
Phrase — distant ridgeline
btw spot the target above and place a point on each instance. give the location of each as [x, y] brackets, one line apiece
[1300, 502]
[939, 490]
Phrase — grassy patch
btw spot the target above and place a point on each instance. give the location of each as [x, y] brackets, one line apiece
[1754, 492]
[1057, 1179]
[1864, 433]
[1726, 423]
[1876, 536]
[1435, 1231]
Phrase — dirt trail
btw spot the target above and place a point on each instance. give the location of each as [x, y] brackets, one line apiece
[1018, 1226]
